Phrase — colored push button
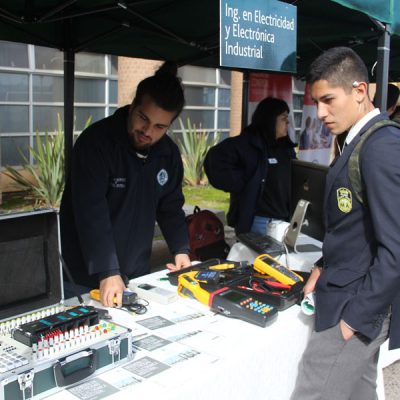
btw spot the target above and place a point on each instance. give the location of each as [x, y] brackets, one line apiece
[74, 314]
[43, 321]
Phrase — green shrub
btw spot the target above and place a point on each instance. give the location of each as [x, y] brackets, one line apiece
[46, 180]
[194, 146]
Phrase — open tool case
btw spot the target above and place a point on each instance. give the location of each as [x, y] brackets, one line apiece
[44, 344]
[260, 288]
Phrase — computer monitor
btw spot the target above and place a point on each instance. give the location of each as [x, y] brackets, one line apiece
[307, 202]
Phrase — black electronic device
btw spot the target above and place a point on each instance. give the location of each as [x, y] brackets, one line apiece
[236, 304]
[76, 317]
[262, 243]
[210, 277]
[306, 203]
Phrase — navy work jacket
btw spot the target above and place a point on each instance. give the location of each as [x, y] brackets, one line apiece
[113, 199]
[238, 165]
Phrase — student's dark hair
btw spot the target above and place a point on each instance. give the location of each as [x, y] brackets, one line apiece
[263, 120]
[340, 66]
[164, 88]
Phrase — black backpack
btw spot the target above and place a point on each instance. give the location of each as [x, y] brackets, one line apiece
[353, 167]
[206, 235]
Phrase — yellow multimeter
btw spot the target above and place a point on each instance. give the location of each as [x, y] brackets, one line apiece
[265, 264]
[221, 267]
[127, 297]
[189, 286]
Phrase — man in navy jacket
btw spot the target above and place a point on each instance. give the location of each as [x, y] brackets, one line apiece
[357, 281]
[126, 175]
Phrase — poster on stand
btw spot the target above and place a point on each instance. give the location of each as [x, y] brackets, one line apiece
[315, 141]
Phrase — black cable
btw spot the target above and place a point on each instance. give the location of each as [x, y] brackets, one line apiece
[68, 273]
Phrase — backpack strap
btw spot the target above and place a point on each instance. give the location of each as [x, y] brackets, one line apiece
[353, 166]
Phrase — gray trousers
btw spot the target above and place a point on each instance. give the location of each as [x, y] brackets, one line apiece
[334, 369]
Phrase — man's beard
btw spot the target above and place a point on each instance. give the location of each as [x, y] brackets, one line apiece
[140, 146]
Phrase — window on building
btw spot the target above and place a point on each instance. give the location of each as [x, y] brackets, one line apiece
[14, 55]
[207, 94]
[32, 94]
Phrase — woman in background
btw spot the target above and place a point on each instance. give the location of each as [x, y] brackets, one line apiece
[254, 168]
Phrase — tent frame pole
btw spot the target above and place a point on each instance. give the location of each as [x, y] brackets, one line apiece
[382, 68]
[69, 72]
[245, 99]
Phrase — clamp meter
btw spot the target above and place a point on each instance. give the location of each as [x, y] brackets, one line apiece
[189, 286]
[265, 264]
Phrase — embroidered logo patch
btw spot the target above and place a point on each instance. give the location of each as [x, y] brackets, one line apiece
[118, 183]
[162, 177]
[344, 199]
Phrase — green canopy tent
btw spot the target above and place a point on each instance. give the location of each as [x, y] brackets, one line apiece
[188, 32]
[365, 25]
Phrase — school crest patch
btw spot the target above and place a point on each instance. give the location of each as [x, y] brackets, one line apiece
[162, 177]
[344, 199]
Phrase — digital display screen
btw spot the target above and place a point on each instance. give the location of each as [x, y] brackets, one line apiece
[270, 262]
[308, 183]
[146, 286]
[207, 275]
[235, 297]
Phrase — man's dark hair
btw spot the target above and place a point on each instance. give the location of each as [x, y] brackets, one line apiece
[263, 120]
[164, 88]
[340, 66]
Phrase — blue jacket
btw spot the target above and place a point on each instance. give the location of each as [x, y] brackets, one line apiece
[238, 165]
[113, 199]
[360, 279]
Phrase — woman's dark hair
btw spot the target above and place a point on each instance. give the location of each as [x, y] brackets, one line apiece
[263, 120]
[164, 88]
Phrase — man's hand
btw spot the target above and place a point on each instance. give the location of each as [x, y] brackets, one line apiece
[312, 281]
[111, 287]
[181, 261]
[347, 332]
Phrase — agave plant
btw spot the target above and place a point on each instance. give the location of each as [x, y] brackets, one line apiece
[194, 146]
[46, 177]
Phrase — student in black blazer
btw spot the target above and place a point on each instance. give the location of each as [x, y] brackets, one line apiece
[357, 281]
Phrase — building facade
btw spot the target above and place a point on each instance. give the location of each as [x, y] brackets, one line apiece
[32, 96]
